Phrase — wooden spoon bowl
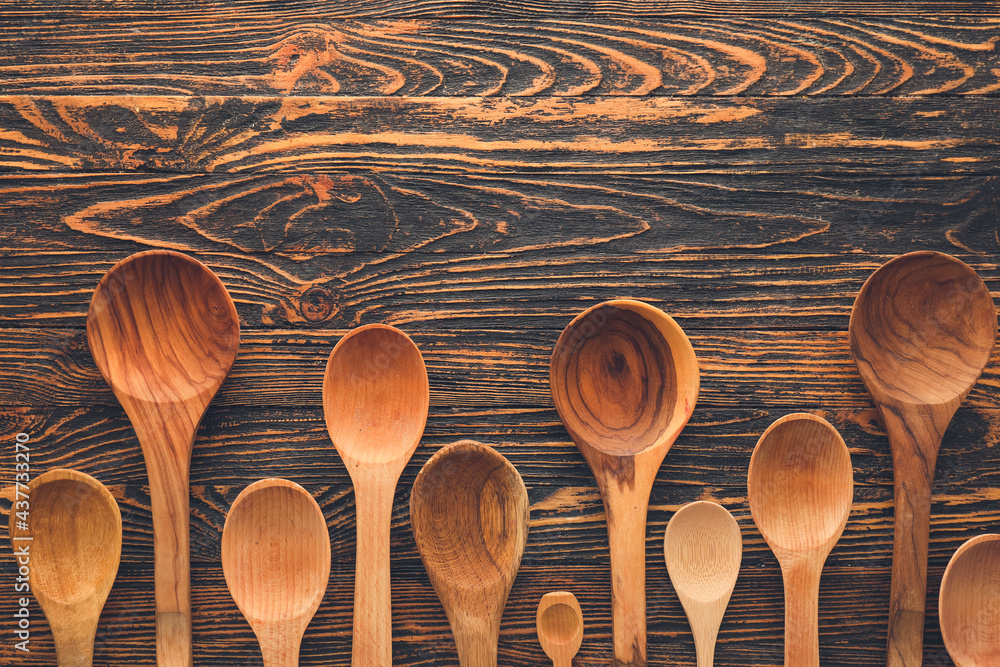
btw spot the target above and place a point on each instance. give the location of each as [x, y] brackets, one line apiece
[969, 603]
[559, 622]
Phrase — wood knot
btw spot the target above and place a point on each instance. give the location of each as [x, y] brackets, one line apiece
[318, 304]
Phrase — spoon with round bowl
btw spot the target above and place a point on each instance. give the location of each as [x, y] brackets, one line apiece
[922, 330]
[72, 537]
[559, 622]
[801, 487]
[624, 380]
[969, 603]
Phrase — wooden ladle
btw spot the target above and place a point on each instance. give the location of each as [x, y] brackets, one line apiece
[469, 512]
[375, 399]
[559, 622]
[703, 548]
[800, 488]
[922, 330]
[969, 603]
[164, 333]
[624, 380]
[69, 534]
[276, 560]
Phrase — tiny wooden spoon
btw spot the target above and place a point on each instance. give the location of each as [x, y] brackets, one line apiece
[469, 512]
[801, 487]
[375, 398]
[624, 380]
[71, 538]
[922, 330]
[276, 560]
[969, 605]
[164, 333]
[559, 622]
[703, 548]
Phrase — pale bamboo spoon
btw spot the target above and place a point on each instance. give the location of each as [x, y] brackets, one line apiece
[922, 330]
[703, 548]
[969, 603]
[164, 333]
[624, 380]
[559, 623]
[276, 560]
[375, 399]
[72, 536]
[800, 488]
[469, 512]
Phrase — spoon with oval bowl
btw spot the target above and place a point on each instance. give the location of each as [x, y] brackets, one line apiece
[469, 512]
[164, 332]
[801, 487]
[969, 603]
[276, 560]
[703, 548]
[624, 380]
[375, 399]
[922, 331]
[72, 537]
[559, 622]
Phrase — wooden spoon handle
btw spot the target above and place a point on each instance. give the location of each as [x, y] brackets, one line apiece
[74, 643]
[281, 653]
[372, 642]
[626, 512]
[476, 640]
[801, 580]
[704, 645]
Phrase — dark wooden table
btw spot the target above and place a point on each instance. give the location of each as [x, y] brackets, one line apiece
[476, 173]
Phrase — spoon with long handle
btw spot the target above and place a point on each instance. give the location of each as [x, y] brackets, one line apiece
[969, 603]
[469, 512]
[559, 622]
[703, 548]
[624, 380]
[70, 531]
[922, 331]
[164, 333]
[375, 399]
[801, 487]
[276, 560]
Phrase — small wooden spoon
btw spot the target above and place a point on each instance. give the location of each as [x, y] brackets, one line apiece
[164, 333]
[922, 330]
[375, 398]
[703, 548]
[559, 622]
[276, 560]
[71, 537]
[969, 605]
[800, 488]
[469, 512]
[624, 380]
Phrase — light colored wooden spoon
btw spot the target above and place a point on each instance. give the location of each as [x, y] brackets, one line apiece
[624, 380]
[703, 548]
[375, 398]
[969, 603]
[469, 512]
[276, 560]
[559, 623]
[69, 533]
[164, 333]
[800, 488]
[922, 330]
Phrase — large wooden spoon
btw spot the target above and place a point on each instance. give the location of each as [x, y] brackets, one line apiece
[469, 512]
[922, 330]
[559, 623]
[375, 398]
[276, 560]
[969, 603]
[801, 487]
[703, 548]
[69, 533]
[164, 333]
[624, 379]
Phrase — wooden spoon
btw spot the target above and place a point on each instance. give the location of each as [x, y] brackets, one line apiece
[800, 488]
[559, 622]
[276, 560]
[375, 398]
[469, 512]
[922, 330]
[969, 605]
[71, 538]
[624, 380]
[164, 333]
[703, 548]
